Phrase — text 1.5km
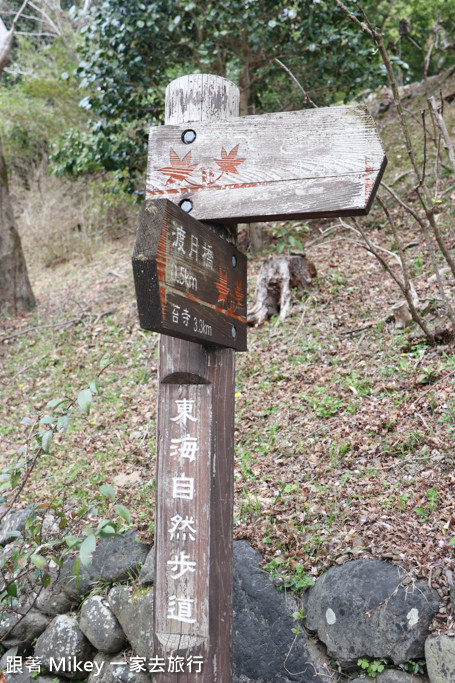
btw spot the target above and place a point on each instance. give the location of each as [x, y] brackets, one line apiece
[181, 276]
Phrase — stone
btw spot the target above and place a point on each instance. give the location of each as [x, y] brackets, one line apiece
[118, 558]
[99, 625]
[134, 610]
[65, 589]
[53, 600]
[26, 631]
[362, 609]
[13, 521]
[25, 677]
[440, 658]
[264, 647]
[63, 648]
[394, 676]
[147, 574]
[116, 670]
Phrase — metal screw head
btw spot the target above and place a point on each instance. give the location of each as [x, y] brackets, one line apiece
[188, 136]
[234, 261]
[234, 332]
[186, 205]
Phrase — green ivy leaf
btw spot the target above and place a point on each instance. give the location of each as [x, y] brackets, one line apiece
[123, 512]
[63, 423]
[46, 440]
[71, 541]
[85, 400]
[38, 560]
[86, 550]
[11, 589]
[94, 386]
[108, 492]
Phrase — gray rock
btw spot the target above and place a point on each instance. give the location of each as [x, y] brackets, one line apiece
[114, 671]
[362, 609]
[134, 610]
[118, 558]
[99, 625]
[25, 677]
[65, 590]
[394, 676]
[265, 648]
[147, 574]
[440, 658]
[20, 677]
[53, 600]
[13, 521]
[26, 631]
[63, 645]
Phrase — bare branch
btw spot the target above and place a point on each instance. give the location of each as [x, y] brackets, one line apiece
[298, 84]
[443, 129]
[47, 18]
[407, 282]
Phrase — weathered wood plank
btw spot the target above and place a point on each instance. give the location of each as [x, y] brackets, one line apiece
[204, 375]
[190, 283]
[314, 162]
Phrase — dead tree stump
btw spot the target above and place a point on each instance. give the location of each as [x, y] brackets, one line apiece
[278, 276]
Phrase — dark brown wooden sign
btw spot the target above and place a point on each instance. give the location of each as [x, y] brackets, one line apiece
[190, 283]
[282, 166]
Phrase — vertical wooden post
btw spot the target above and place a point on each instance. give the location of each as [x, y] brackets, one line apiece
[193, 537]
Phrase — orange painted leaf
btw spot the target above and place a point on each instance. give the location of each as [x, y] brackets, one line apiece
[179, 169]
[238, 293]
[222, 287]
[229, 162]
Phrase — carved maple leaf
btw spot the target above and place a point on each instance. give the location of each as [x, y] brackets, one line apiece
[222, 287]
[179, 169]
[229, 162]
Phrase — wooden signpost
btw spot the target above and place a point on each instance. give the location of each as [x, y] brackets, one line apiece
[289, 165]
[191, 286]
[190, 283]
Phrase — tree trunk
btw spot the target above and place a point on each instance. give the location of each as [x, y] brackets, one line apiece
[277, 278]
[15, 291]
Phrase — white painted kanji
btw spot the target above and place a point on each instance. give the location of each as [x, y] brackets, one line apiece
[183, 487]
[180, 527]
[179, 239]
[194, 248]
[186, 447]
[184, 410]
[207, 255]
[181, 565]
[180, 609]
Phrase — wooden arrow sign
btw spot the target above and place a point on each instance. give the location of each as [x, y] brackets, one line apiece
[189, 282]
[289, 165]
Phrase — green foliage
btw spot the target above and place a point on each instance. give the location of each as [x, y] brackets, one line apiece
[36, 104]
[371, 667]
[289, 236]
[287, 574]
[39, 545]
[412, 27]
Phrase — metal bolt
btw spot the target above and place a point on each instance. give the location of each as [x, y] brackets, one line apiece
[234, 261]
[186, 205]
[188, 136]
[234, 332]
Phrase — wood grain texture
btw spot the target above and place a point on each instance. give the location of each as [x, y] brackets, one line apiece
[190, 283]
[301, 164]
[206, 375]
